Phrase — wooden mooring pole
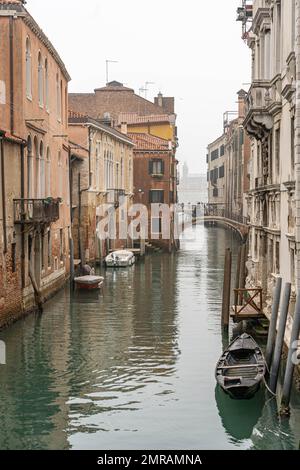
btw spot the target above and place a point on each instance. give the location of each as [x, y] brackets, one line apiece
[226, 289]
[273, 322]
[291, 361]
[280, 337]
[242, 274]
[237, 276]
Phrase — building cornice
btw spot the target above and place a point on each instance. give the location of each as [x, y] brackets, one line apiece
[17, 10]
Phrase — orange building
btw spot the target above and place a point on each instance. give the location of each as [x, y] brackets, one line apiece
[35, 206]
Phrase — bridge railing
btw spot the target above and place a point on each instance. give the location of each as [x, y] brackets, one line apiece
[213, 210]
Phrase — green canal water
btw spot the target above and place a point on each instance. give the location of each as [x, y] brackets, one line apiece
[134, 367]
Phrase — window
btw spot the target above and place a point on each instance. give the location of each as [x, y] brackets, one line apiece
[37, 167]
[61, 100]
[49, 249]
[60, 175]
[40, 81]
[43, 250]
[122, 174]
[277, 258]
[13, 258]
[214, 174]
[156, 225]
[29, 247]
[58, 98]
[214, 154]
[241, 137]
[156, 196]
[46, 85]
[29, 167]
[97, 170]
[277, 149]
[221, 172]
[28, 70]
[156, 167]
[222, 150]
[42, 171]
[48, 174]
[215, 192]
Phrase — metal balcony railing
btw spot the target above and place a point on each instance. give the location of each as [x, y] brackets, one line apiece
[36, 211]
[114, 196]
[211, 210]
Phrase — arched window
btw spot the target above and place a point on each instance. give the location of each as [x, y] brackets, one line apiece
[97, 170]
[60, 175]
[40, 80]
[28, 70]
[29, 167]
[61, 100]
[37, 168]
[48, 174]
[130, 174]
[46, 85]
[42, 171]
[58, 98]
[122, 174]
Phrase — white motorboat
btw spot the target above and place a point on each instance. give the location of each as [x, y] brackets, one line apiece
[89, 282]
[120, 259]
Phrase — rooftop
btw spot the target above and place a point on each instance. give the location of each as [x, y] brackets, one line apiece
[149, 142]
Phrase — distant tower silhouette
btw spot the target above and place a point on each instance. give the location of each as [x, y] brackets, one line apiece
[185, 172]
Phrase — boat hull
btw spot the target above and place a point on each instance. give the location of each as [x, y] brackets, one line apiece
[89, 282]
[241, 369]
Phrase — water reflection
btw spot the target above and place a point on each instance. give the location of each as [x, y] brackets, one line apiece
[133, 366]
[239, 417]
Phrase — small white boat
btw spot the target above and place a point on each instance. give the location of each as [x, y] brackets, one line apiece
[89, 282]
[120, 259]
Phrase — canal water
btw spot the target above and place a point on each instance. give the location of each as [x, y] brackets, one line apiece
[134, 366]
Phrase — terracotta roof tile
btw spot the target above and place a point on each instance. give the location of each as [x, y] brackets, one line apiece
[149, 142]
[134, 118]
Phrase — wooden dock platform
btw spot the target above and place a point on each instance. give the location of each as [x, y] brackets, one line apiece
[249, 305]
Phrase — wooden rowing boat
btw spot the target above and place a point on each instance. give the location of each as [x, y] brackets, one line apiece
[89, 282]
[241, 368]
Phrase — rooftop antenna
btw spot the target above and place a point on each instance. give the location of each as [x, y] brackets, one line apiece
[142, 90]
[107, 68]
[146, 88]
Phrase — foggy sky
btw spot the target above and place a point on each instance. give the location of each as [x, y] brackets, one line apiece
[192, 50]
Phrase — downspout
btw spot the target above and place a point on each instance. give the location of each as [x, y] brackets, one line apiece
[71, 242]
[23, 145]
[297, 139]
[3, 193]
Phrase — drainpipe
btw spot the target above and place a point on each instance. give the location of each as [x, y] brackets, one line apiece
[3, 195]
[23, 145]
[297, 138]
[71, 242]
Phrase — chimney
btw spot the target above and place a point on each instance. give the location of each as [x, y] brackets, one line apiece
[124, 129]
[241, 103]
[160, 99]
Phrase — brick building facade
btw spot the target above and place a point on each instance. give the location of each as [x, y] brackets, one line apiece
[102, 174]
[149, 124]
[35, 208]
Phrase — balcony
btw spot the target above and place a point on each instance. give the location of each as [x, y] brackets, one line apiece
[36, 211]
[263, 102]
[114, 196]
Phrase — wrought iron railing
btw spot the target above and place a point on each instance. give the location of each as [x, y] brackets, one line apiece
[211, 210]
[36, 211]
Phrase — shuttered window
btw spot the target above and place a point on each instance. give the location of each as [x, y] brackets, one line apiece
[156, 196]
